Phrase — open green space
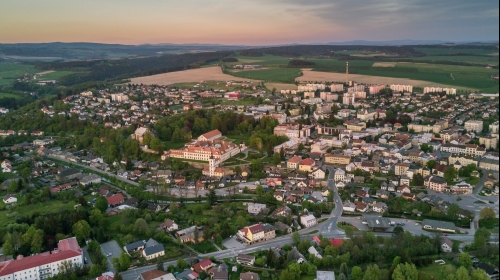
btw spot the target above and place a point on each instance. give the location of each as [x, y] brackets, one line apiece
[491, 224]
[434, 271]
[239, 102]
[489, 60]
[53, 206]
[238, 138]
[265, 60]
[204, 247]
[6, 94]
[9, 72]
[54, 75]
[285, 75]
[447, 51]
[472, 180]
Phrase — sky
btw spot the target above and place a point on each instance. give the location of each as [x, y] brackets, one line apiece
[246, 22]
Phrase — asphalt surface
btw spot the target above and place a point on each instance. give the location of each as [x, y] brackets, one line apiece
[111, 247]
[330, 226]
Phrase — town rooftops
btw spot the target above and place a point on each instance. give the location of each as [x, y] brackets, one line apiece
[154, 249]
[115, 199]
[211, 134]
[152, 274]
[135, 245]
[439, 224]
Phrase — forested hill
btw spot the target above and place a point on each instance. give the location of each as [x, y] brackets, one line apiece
[106, 70]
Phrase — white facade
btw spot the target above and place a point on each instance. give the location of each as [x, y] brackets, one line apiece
[308, 220]
[476, 126]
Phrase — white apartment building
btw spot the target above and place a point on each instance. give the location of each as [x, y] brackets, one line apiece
[472, 125]
[440, 89]
[311, 87]
[86, 93]
[119, 97]
[401, 88]
[337, 87]
[348, 99]
[494, 127]
[356, 88]
[44, 265]
[308, 220]
[360, 94]
[375, 89]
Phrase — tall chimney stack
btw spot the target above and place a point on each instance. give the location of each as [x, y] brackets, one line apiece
[346, 72]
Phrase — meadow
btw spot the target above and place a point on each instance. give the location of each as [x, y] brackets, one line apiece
[54, 75]
[9, 72]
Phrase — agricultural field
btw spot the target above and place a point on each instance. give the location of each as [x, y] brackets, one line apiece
[192, 75]
[9, 72]
[286, 75]
[418, 74]
[53, 75]
[9, 95]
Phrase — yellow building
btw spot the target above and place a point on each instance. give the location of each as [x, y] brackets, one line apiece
[337, 159]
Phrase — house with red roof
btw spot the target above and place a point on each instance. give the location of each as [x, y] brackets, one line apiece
[115, 200]
[43, 265]
[293, 163]
[204, 265]
[336, 242]
[306, 165]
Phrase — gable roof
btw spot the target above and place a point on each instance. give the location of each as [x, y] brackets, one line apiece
[115, 199]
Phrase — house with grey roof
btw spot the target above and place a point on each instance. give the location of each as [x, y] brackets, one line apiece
[438, 225]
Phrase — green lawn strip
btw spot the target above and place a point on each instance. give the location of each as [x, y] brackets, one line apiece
[52, 206]
[204, 247]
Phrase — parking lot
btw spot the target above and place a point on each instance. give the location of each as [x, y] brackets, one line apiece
[86, 257]
[232, 243]
[111, 249]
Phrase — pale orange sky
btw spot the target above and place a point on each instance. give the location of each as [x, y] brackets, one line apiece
[250, 22]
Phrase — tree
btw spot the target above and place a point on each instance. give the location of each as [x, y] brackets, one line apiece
[212, 197]
[405, 272]
[452, 211]
[296, 238]
[356, 273]
[13, 186]
[276, 158]
[101, 203]
[182, 264]
[344, 269]
[140, 226]
[464, 260]
[81, 230]
[450, 174]
[462, 274]
[259, 190]
[398, 231]
[372, 273]
[95, 217]
[196, 235]
[159, 264]
[342, 276]
[7, 248]
[479, 274]
[431, 163]
[481, 236]
[417, 179]
[124, 261]
[487, 213]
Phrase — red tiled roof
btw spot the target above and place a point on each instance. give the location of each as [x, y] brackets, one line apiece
[202, 265]
[335, 242]
[211, 134]
[256, 228]
[68, 244]
[307, 161]
[295, 159]
[115, 199]
[37, 260]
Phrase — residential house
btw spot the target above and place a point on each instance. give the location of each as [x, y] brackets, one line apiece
[9, 199]
[168, 225]
[245, 259]
[380, 207]
[204, 265]
[249, 276]
[115, 200]
[446, 245]
[256, 208]
[308, 220]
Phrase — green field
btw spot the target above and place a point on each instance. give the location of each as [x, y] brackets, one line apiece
[473, 77]
[286, 75]
[9, 216]
[9, 72]
[237, 103]
[5, 94]
[54, 75]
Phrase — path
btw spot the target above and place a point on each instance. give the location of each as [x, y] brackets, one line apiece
[451, 75]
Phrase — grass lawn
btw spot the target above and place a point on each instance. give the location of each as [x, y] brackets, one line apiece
[434, 270]
[472, 180]
[204, 247]
[9, 216]
[173, 145]
[238, 103]
[238, 138]
[54, 75]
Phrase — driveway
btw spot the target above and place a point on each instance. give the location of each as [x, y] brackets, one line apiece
[111, 247]
[87, 256]
[231, 243]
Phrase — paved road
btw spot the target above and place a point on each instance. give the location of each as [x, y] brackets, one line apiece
[99, 171]
[330, 226]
